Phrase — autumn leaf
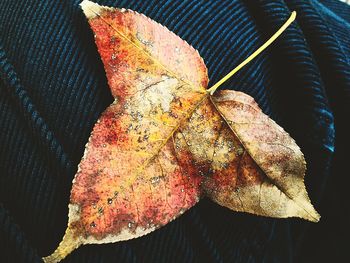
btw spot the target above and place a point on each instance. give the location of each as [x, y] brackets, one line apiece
[166, 141]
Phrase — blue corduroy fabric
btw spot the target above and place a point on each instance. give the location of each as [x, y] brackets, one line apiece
[53, 89]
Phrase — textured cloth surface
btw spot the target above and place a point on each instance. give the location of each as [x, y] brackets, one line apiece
[53, 89]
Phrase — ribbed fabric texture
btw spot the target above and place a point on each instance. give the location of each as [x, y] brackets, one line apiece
[53, 89]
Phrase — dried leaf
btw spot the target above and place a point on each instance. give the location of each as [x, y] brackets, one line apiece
[165, 141]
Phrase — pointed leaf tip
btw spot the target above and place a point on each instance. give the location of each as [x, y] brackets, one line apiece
[92, 9]
[308, 211]
[69, 243]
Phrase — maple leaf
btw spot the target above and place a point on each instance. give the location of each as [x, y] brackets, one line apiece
[166, 141]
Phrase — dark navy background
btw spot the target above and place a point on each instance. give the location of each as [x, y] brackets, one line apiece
[53, 89]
